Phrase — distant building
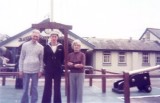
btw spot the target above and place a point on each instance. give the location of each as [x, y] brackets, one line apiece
[14, 43]
[120, 54]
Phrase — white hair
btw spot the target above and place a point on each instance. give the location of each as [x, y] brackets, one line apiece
[36, 31]
[76, 42]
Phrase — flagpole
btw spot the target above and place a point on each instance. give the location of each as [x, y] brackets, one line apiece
[67, 93]
[52, 11]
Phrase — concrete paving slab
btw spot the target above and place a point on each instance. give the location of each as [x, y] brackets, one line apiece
[8, 94]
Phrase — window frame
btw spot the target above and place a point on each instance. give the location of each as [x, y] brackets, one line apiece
[122, 58]
[157, 58]
[107, 57]
[145, 59]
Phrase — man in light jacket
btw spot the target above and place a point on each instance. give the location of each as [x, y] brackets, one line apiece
[31, 66]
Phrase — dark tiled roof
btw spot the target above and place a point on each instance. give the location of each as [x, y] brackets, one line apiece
[124, 44]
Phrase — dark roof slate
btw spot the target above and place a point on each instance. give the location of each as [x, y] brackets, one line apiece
[124, 44]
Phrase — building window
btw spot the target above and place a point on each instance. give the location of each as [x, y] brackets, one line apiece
[122, 58]
[157, 58]
[145, 59]
[106, 57]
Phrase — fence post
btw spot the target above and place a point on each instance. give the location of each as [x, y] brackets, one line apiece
[3, 80]
[126, 87]
[90, 78]
[68, 86]
[103, 81]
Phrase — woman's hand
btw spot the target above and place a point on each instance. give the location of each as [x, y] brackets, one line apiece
[70, 64]
[78, 65]
[39, 74]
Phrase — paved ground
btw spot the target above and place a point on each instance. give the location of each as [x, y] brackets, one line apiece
[8, 93]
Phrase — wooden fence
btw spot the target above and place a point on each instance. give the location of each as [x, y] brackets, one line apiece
[103, 76]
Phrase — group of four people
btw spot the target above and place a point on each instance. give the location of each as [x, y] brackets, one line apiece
[36, 59]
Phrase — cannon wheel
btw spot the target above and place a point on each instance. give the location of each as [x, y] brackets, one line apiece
[140, 88]
[148, 88]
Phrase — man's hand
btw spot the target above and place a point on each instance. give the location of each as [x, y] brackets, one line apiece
[39, 74]
[21, 74]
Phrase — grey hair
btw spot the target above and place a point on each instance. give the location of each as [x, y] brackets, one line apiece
[76, 42]
[36, 31]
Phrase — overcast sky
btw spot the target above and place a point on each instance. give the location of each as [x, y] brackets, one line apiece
[118, 19]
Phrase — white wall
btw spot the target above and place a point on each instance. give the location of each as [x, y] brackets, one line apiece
[134, 61]
[152, 37]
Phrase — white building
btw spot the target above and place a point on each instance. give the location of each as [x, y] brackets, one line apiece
[120, 54]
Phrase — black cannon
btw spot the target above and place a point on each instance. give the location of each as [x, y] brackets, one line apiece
[141, 81]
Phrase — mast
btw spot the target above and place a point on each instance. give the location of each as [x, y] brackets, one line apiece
[52, 11]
